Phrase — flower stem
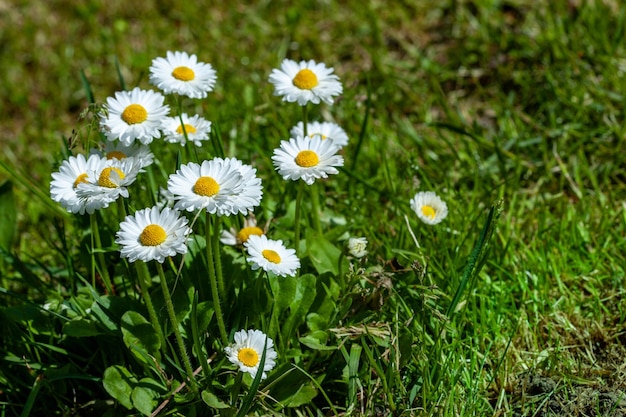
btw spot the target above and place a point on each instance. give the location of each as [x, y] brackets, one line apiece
[213, 280]
[305, 121]
[315, 201]
[174, 321]
[215, 247]
[144, 278]
[104, 272]
[297, 217]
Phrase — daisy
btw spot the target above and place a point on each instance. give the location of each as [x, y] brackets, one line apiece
[107, 182]
[118, 150]
[305, 82]
[182, 74]
[72, 172]
[271, 256]
[153, 234]
[196, 127]
[247, 350]
[251, 191]
[209, 186]
[307, 159]
[429, 207]
[326, 130]
[357, 246]
[237, 237]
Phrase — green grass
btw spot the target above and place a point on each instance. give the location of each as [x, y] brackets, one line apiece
[482, 102]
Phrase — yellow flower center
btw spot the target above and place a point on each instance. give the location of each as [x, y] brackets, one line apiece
[152, 235]
[429, 212]
[119, 155]
[134, 113]
[307, 159]
[81, 178]
[183, 74]
[271, 256]
[305, 79]
[206, 186]
[246, 232]
[104, 180]
[188, 128]
[248, 357]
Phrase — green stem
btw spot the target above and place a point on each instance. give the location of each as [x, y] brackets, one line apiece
[196, 337]
[297, 217]
[218, 256]
[179, 338]
[315, 201]
[104, 272]
[213, 280]
[305, 121]
[144, 279]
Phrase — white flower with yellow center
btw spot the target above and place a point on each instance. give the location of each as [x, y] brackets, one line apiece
[133, 115]
[429, 207]
[118, 150]
[357, 246]
[209, 186]
[153, 234]
[271, 256]
[196, 128]
[325, 130]
[107, 182]
[247, 350]
[72, 172]
[181, 73]
[237, 237]
[306, 81]
[251, 192]
[307, 159]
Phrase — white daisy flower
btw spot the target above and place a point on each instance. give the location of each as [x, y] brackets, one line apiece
[357, 246]
[326, 130]
[306, 81]
[133, 115]
[72, 172]
[196, 127]
[107, 182]
[429, 207]
[251, 192]
[237, 237]
[118, 150]
[209, 186]
[182, 74]
[271, 256]
[153, 234]
[247, 350]
[307, 159]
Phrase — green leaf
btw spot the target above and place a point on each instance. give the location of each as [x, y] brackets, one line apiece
[304, 395]
[299, 307]
[139, 336]
[212, 401]
[323, 254]
[145, 396]
[81, 328]
[8, 219]
[317, 341]
[119, 383]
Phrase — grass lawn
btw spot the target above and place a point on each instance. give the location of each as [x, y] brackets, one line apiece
[512, 112]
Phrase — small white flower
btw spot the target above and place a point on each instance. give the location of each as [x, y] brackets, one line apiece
[133, 115]
[429, 207]
[107, 182]
[247, 350]
[251, 191]
[118, 150]
[357, 246]
[72, 172]
[307, 159]
[326, 130]
[236, 237]
[271, 256]
[196, 127]
[209, 186]
[182, 74]
[153, 234]
[306, 81]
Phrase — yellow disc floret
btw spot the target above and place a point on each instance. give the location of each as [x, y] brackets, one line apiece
[152, 235]
[206, 186]
[183, 74]
[305, 79]
[307, 159]
[271, 256]
[188, 128]
[81, 178]
[134, 113]
[105, 180]
[246, 232]
[429, 212]
[248, 356]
